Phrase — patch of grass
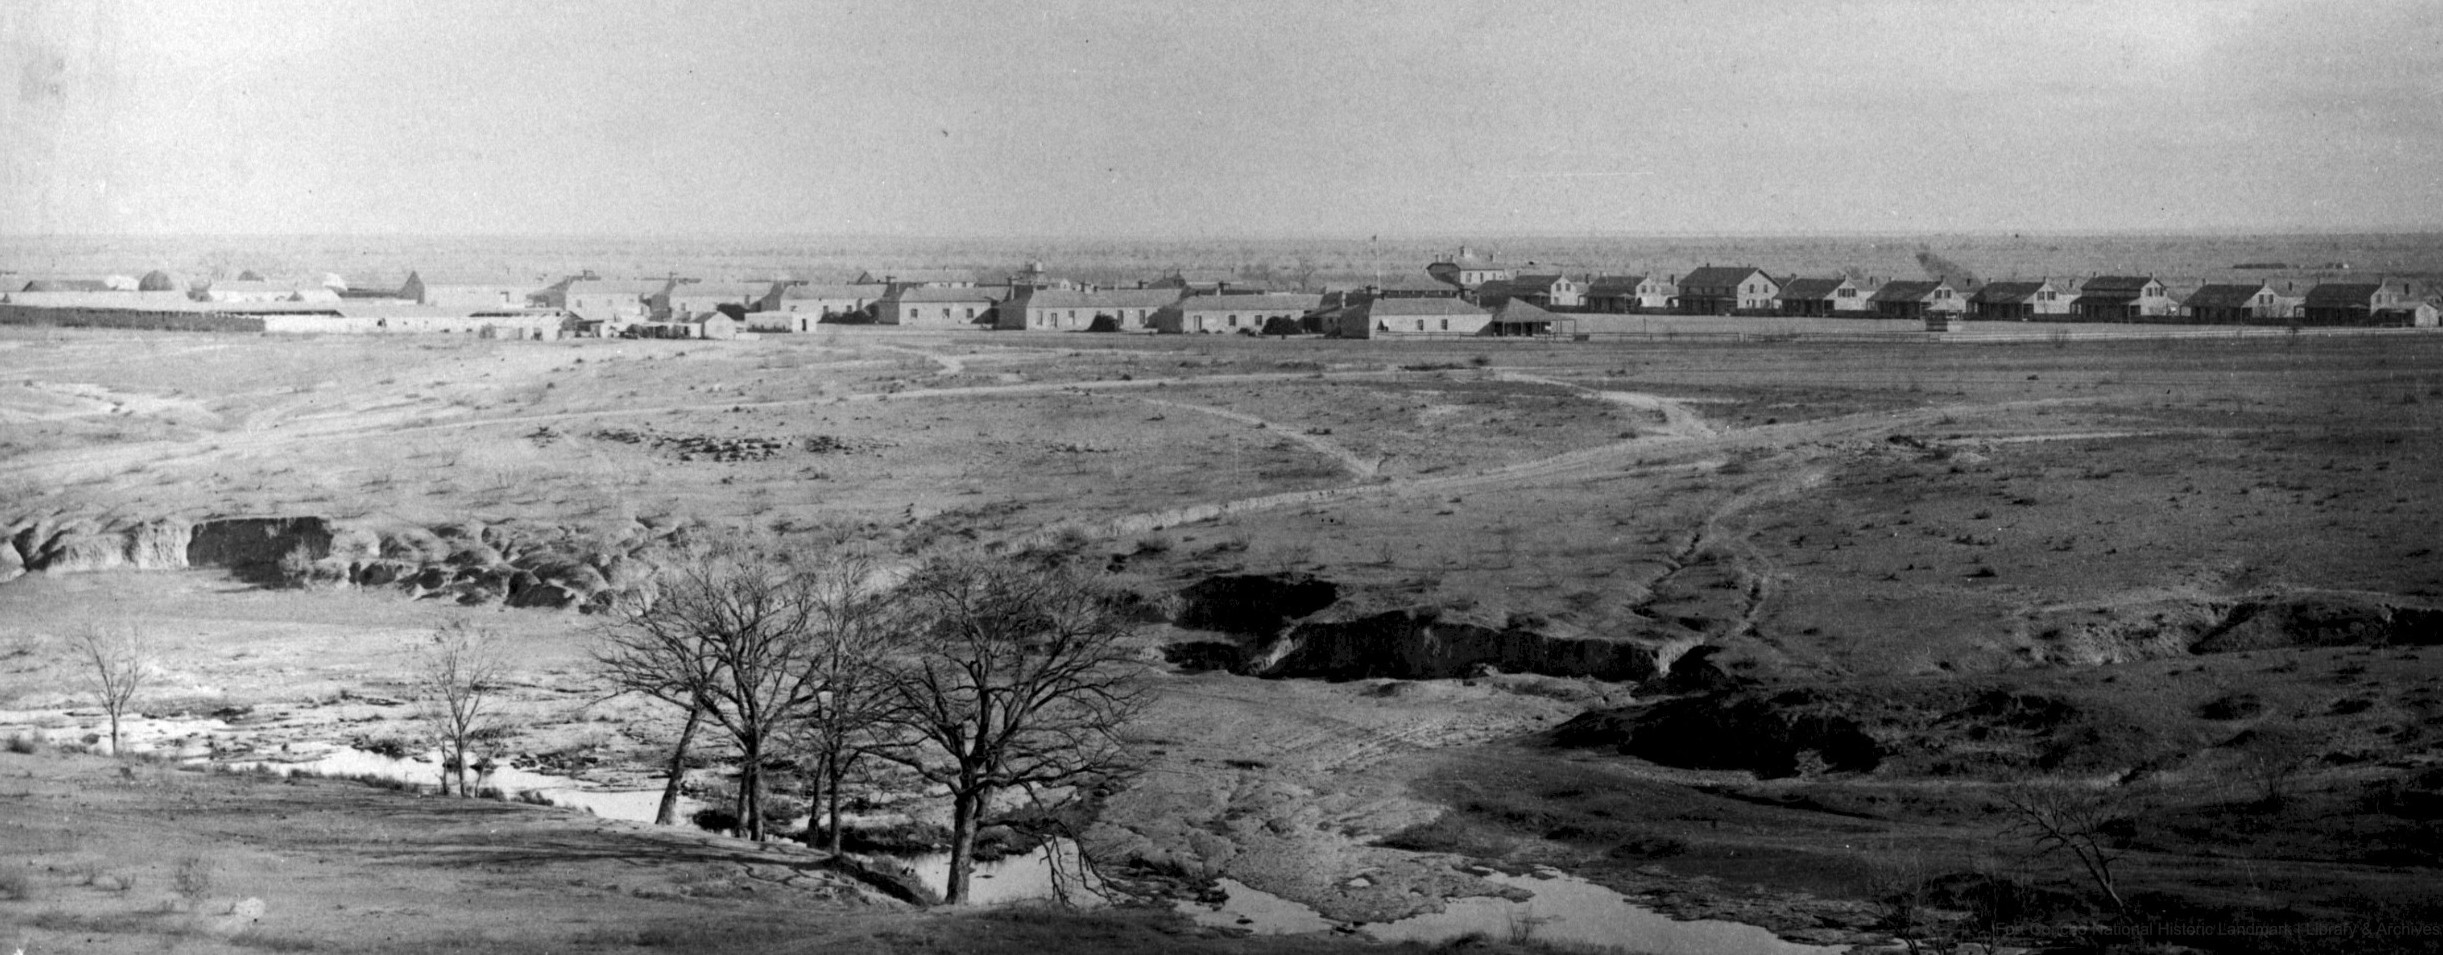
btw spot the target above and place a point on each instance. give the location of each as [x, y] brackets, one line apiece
[16, 885]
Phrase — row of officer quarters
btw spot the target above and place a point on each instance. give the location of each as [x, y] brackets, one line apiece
[1748, 290]
[1464, 294]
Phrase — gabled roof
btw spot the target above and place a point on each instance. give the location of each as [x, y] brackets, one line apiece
[868, 291]
[1394, 307]
[2232, 295]
[1108, 298]
[1812, 288]
[1614, 284]
[1247, 303]
[2115, 284]
[1542, 282]
[928, 293]
[1719, 275]
[2008, 293]
[1520, 312]
[1412, 282]
[2343, 294]
[1908, 291]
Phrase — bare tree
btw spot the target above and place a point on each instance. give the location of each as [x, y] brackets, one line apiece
[1013, 678]
[2087, 822]
[2271, 758]
[726, 635]
[668, 664]
[853, 633]
[456, 672]
[116, 658]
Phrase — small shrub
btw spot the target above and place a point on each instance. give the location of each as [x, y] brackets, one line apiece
[193, 880]
[533, 798]
[714, 819]
[22, 744]
[297, 566]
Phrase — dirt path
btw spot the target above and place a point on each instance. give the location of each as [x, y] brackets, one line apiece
[1678, 421]
[1357, 465]
[949, 364]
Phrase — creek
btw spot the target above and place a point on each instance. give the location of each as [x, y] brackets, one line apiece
[1039, 874]
[1563, 909]
[633, 805]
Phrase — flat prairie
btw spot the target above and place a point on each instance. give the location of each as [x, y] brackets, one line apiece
[1770, 629]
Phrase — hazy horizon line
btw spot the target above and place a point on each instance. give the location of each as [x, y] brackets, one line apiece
[1495, 235]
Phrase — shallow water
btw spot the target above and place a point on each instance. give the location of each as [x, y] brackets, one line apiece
[1036, 875]
[1254, 910]
[633, 805]
[1564, 908]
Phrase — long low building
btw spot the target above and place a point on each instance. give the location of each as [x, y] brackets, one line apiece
[1413, 318]
[1205, 314]
[304, 318]
[1124, 310]
[943, 307]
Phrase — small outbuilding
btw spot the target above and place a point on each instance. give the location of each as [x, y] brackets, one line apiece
[1519, 318]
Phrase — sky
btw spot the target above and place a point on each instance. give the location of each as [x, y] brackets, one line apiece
[1071, 118]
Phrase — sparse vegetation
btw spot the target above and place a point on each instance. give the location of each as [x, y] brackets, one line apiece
[117, 659]
[457, 671]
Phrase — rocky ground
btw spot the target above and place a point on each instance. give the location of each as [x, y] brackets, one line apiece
[1763, 631]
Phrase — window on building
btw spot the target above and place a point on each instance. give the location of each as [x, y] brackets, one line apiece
[1234, 321]
[1420, 324]
[945, 313]
[1446, 324]
[971, 314]
[911, 314]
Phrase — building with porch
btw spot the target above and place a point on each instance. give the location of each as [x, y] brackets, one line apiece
[1727, 290]
[2241, 303]
[1820, 297]
[2017, 301]
[2348, 303]
[2122, 298]
[1917, 299]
